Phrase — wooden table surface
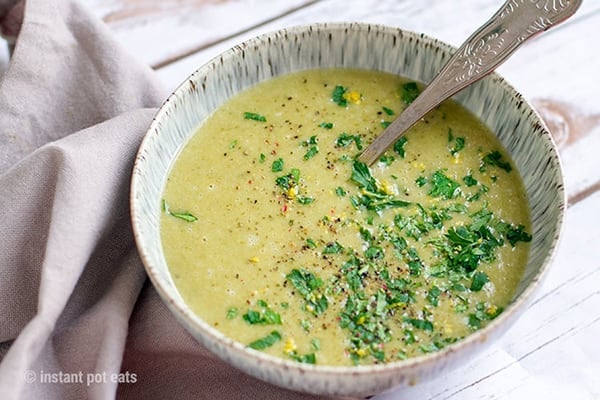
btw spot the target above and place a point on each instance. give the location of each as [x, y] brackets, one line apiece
[553, 352]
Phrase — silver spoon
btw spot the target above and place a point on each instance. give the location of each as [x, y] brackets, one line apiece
[514, 23]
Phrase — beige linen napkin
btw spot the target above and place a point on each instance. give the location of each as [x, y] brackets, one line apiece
[76, 312]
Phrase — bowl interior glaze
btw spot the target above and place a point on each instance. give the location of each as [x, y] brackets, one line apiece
[350, 45]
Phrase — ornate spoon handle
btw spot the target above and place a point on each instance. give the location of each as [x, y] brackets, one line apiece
[514, 23]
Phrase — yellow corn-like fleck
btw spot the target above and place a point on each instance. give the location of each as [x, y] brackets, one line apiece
[353, 97]
[387, 187]
[361, 320]
[290, 346]
[292, 192]
[253, 260]
[361, 352]
[418, 165]
[457, 159]
[448, 329]
[492, 310]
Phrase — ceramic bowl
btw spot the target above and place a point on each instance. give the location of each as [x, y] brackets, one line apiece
[374, 47]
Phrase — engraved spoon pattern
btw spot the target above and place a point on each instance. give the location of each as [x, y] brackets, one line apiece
[514, 23]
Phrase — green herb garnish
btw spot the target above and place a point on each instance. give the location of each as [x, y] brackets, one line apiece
[277, 165]
[409, 92]
[345, 139]
[310, 358]
[459, 144]
[308, 285]
[363, 178]
[333, 248]
[232, 313]
[255, 117]
[433, 295]
[469, 180]
[479, 280]
[399, 146]
[264, 316]
[337, 96]
[184, 215]
[266, 341]
[419, 323]
[443, 186]
[495, 159]
[388, 111]
[517, 234]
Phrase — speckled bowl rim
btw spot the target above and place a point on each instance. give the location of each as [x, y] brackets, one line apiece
[413, 369]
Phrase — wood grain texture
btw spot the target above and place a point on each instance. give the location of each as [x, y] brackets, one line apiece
[159, 32]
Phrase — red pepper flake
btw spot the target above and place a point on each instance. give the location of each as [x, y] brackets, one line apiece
[284, 208]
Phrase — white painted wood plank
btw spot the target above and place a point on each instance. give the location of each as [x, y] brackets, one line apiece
[582, 165]
[158, 31]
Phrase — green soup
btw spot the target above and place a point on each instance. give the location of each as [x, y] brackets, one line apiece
[277, 236]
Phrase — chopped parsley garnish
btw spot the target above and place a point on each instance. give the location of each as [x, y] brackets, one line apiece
[309, 286]
[479, 280]
[305, 200]
[421, 181]
[310, 358]
[399, 146]
[184, 215]
[409, 92]
[495, 159]
[290, 180]
[469, 180]
[388, 111]
[264, 316]
[310, 243]
[346, 139]
[232, 313]
[385, 124]
[337, 96]
[459, 144]
[340, 191]
[363, 178]
[433, 296]
[326, 125]
[420, 323]
[373, 197]
[483, 312]
[255, 117]
[333, 248]
[277, 165]
[313, 149]
[442, 186]
[517, 234]
[387, 160]
[266, 341]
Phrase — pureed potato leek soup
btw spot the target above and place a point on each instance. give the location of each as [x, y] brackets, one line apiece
[277, 236]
